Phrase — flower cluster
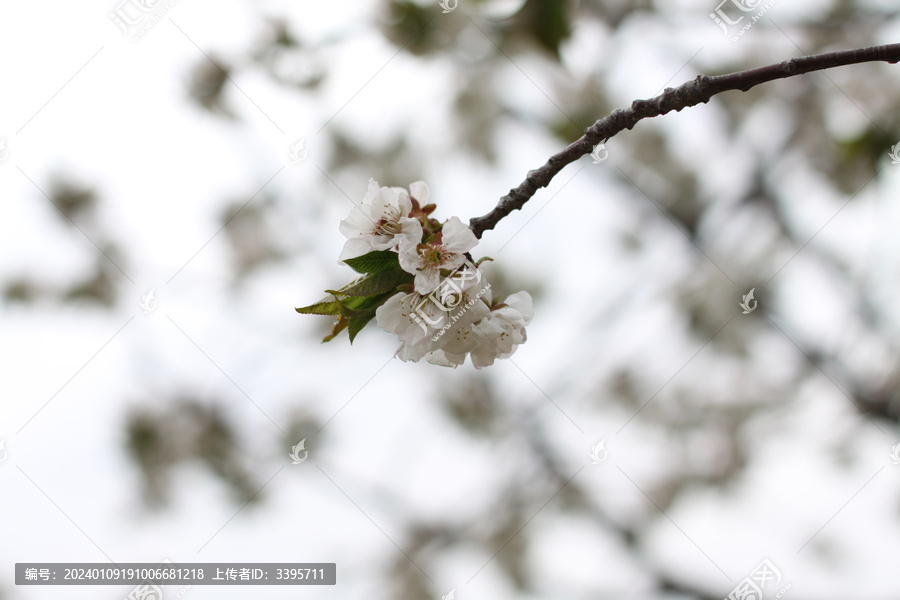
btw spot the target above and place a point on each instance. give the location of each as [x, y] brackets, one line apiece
[419, 282]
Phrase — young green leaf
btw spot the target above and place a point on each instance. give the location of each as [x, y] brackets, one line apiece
[326, 306]
[374, 262]
[358, 306]
[357, 324]
[374, 284]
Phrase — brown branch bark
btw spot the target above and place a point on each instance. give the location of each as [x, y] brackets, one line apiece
[693, 92]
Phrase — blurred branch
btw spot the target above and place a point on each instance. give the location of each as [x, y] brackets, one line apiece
[691, 93]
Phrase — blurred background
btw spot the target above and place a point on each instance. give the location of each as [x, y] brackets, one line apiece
[172, 179]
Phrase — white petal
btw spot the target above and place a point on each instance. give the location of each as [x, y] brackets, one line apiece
[468, 276]
[388, 314]
[457, 237]
[408, 353]
[443, 359]
[410, 234]
[409, 260]
[400, 200]
[386, 204]
[371, 192]
[357, 222]
[427, 280]
[484, 344]
[412, 318]
[419, 191]
[354, 247]
[522, 302]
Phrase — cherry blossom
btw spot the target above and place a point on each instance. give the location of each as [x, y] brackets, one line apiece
[495, 336]
[381, 221]
[416, 280]
[446, 250]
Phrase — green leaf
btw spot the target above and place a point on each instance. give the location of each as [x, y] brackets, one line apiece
[339, 326]
[374, 262]
[326, 306]
[356, 312]
[374, 284]
[358, 306]
[357, 324]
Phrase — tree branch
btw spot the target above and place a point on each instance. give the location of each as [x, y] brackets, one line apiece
[693, 92]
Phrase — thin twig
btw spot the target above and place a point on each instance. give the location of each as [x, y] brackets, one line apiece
[696, 91]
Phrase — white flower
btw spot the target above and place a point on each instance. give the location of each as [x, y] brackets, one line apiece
[503, 331]
[495, 336]
[381, 221]
[425, 323]
[469, 307]
[446, 251]
[457, 339]
[460, 287]
[412, 317]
